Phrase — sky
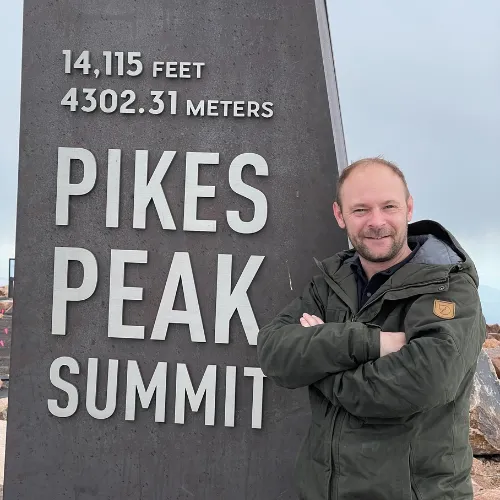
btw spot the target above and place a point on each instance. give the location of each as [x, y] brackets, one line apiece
[419, 83]
[10, 95]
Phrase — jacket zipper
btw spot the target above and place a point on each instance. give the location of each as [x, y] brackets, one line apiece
[335, 451]
[412, 483]
[414, 491]
[377, 297]
[332, 461]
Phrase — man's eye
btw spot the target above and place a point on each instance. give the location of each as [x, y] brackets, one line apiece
[390, 206]
[359, 210]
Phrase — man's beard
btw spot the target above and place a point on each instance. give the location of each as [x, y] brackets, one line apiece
[367, 254]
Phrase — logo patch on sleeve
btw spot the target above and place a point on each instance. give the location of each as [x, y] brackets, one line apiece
[443, 309]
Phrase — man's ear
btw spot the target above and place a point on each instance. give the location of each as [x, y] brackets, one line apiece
[337, 211]
[409, 205]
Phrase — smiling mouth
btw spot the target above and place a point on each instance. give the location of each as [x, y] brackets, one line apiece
[377, 238]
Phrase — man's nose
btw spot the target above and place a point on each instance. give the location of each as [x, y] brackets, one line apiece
[377, 218]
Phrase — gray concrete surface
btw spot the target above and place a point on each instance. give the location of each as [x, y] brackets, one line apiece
[3, 431]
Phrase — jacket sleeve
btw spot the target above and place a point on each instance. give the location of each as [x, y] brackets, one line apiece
[295, 356]
[427, 371]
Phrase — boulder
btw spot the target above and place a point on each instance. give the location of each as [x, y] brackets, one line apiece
[484, 413]
[476, 488]
[494, 355]
[6, 306]
[488, 495]
[4, 405]
[486, 479]
[491, 343]
[485, 473]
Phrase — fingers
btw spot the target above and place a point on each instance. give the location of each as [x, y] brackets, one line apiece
[303, 322]
[313, 320]
[310, 320]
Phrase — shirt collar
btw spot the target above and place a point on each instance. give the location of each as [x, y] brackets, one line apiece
[357, 267]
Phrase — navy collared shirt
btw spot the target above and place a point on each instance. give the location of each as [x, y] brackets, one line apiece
[366, 288]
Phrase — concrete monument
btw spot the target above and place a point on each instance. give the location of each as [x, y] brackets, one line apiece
[178, 162]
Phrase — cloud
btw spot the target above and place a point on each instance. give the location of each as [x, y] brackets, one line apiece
[484, 252]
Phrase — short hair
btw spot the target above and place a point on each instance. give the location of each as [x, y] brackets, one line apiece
[377, 160]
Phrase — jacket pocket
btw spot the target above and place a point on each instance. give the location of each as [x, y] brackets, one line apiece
[373, 462]
[313, 466]
[336, 315]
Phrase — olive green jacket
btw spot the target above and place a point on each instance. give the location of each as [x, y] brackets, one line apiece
[393, 427]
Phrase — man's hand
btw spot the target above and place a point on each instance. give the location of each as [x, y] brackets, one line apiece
[391, 342]
[308, 320]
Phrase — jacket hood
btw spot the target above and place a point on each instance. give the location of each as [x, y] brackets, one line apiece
[439, 251]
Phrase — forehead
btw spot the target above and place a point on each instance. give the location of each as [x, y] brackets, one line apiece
[372, 184]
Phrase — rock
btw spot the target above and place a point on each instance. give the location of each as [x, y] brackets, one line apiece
[488, 495]
[484, 412]
[494, 355]
[493, 328]
[495, 336]
[491, 343]
[6, 306]
[486, 479]
[485, 473]
[4, 404]
[476, 488]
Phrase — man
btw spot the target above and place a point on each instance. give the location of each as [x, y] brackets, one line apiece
[387, 339]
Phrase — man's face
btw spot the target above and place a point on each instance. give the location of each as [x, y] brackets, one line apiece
[375, 212]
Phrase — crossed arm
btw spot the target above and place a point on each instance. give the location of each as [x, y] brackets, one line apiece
[293, 356]
[389, 341]
[390, 379]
